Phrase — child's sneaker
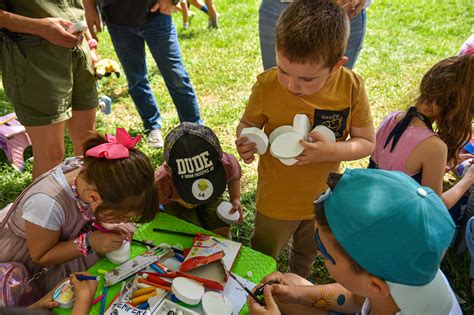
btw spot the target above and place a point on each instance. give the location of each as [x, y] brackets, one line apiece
[155, 139]
[186, 25]
[213, 23]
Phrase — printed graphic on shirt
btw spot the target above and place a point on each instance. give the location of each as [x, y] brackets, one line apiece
[336, 120]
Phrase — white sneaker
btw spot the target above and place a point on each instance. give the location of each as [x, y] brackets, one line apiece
[155, 139]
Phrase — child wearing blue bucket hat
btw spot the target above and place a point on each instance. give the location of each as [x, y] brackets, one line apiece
[382, 237]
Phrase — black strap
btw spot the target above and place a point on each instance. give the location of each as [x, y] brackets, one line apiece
[403, 124]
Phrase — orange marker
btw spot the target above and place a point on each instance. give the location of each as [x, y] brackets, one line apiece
[143, 291]
[142, 299]
[141, 280]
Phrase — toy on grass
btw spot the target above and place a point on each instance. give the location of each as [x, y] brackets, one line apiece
[105, 67]
[13, 140]
[105, 104]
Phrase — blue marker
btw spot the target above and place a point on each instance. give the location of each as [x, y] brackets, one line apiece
[156, 269]
[143, 306]
[81, 278]
[104, 299]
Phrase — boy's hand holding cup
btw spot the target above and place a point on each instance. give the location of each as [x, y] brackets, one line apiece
[246, 149]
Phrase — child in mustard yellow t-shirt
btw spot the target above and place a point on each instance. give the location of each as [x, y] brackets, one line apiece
[311, 37]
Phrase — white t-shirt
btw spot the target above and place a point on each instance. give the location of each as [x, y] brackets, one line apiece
[42, 210]
[455, 310]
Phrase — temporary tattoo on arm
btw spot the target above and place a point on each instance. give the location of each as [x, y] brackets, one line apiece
[341, 299]
[323, 301]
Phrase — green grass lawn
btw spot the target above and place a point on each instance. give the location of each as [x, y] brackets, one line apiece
[404, 39]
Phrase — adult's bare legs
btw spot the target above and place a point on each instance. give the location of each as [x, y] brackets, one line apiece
[80, 126]
[48, 146]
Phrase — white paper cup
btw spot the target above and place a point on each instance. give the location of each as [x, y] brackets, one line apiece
[302, 125]
[279, 131]
[223, 212]
[120, 255]
[287, 146]
[187, 290]
[258, 137]
[214, 303]
[325, 132]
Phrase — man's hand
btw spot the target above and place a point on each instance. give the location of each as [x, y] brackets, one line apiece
[93, 20]
[352, 7]
[165, 7]
[54, 31]
[271, 307]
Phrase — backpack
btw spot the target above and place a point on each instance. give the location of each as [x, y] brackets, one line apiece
[14, 284]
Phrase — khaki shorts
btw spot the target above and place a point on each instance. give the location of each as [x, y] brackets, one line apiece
[44, 82]
[204, 215]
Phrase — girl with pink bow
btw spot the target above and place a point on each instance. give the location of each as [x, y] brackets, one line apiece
[51, 224]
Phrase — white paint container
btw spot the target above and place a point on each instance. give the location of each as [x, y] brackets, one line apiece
[279, 131]
[120, 255]
[325, 132]
[223, 212]
[64, 294]
[287, 146]
[187, 290]
[214, 303]
[302, 125]
[258, 137]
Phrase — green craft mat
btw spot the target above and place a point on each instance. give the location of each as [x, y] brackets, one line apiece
[248, 259]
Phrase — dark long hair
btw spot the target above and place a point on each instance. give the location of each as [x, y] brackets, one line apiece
[124, 185]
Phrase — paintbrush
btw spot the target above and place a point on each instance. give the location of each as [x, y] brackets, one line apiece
[262, 303]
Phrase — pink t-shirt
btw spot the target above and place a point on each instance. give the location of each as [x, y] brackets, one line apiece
[167, 189]
[410, 139]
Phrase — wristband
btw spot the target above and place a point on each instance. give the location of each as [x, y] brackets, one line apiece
[93, 44]
[82, 242]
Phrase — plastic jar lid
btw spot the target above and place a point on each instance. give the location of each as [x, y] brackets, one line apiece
[214, 303]
[325, 132]
[279, 131]
[223, 212]
[258, 136]
[187, 290]
[287, 146]
[289, 162]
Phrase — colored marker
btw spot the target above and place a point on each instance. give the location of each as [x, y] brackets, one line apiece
[143, 306]
[156, 268]
[143, 291]
[156, 285]
[162, 267]
[102, 271]
[82, 278]
[97, 299]
[102, 304]
[142, 299]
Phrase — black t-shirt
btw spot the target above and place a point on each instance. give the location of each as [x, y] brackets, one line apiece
[133, 13]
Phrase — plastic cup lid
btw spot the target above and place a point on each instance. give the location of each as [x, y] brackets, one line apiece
[187, 290]
[289, 162]
[223, 212]
[287, 146]
[325, 132]
[214, 303]
[279, 131]
[302, 125]
[258, 136]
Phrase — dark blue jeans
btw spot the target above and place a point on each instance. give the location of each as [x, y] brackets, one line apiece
[162, 40]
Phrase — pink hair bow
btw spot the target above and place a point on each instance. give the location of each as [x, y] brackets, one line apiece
[117, 146]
